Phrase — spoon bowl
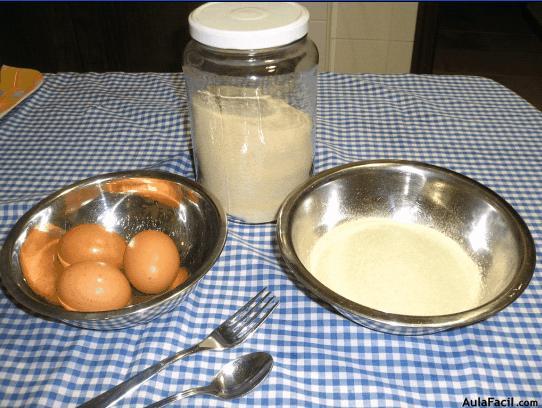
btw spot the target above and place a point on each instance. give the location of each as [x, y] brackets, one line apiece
[240, 376]
[235, 379]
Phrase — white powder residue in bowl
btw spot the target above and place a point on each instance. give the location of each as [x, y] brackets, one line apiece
[397, 268]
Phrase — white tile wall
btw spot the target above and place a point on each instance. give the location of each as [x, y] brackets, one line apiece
[318, 10]
[318, 30]
[352, 55]
[403, 21]
[399, 57]
[318, 33]
[360, 21]
[363, 37]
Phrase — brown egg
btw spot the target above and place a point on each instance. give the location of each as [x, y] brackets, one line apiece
[181, 277]
[91, 242]
[39, 261]
[93, 287]
[151, 261]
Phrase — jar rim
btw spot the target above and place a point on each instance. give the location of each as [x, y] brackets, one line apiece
[252, 51]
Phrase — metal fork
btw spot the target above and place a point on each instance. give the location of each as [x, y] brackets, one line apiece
[230, 333]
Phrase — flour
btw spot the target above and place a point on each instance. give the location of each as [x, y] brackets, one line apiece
[251, 150]
[397, 268]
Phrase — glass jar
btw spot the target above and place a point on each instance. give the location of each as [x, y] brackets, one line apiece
[252, 99]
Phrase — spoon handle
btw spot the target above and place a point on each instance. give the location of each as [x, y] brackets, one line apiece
[108, 398]
[176, 397]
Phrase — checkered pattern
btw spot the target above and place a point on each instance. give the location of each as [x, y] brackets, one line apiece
[79, 125]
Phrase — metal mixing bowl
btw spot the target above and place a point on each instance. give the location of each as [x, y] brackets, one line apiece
[127, 203]
[483, 224]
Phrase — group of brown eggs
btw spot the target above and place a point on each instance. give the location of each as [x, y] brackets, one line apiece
[91, 269]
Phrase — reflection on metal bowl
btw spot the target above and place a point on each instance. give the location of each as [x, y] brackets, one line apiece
[127, 203]
[482, 223]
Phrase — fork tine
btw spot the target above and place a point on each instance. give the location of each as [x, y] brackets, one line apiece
[248, 307]
[253, 312]
[255, 309]
[253, 324]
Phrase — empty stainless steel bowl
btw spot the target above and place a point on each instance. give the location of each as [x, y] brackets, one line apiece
[463, 209]
[127, 203]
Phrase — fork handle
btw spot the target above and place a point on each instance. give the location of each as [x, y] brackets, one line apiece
[111, 396]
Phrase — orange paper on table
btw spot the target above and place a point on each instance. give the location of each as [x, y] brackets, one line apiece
[16, 84]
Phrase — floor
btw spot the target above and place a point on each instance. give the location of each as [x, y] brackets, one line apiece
[501, 41]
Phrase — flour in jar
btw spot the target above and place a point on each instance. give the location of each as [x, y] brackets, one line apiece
[251, 150]
[397, 268]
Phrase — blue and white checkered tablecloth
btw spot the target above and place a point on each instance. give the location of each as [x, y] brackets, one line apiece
[79, 125]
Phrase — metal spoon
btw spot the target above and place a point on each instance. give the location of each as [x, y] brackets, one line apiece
[234, 380]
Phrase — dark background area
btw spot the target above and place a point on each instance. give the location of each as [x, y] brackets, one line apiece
[502, 41]
[80, 37]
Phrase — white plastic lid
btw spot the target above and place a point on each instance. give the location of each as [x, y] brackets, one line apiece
[248, 25]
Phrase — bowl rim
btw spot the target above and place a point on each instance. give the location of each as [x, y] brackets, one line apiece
[42, 307]
[505, 297]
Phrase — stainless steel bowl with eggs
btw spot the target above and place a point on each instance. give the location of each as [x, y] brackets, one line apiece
[405, 247]
[113, 250]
